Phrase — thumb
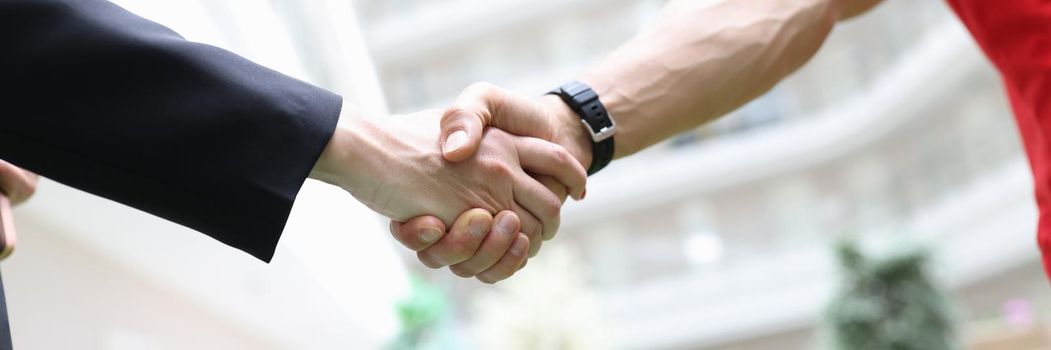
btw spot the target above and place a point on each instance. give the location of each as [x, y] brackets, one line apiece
[463, 122]
[461, 133]
[482, 105]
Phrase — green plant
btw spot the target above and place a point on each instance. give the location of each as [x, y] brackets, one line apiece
[420, 313]
[888, 303]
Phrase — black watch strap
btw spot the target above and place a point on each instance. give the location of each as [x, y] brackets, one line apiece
[596, 119]
[601, 155]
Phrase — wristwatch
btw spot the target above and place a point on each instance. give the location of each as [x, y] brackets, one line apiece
[596, 119]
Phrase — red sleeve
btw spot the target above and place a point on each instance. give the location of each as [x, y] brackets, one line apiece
[1016, 36]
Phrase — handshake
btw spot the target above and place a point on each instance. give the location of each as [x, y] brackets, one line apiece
[496, 152]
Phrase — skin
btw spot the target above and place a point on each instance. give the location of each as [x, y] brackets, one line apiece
[17, 184]
[698, 62]
[395, 167]
[457, 248]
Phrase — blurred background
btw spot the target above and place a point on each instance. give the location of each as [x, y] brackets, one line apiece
[896, 135]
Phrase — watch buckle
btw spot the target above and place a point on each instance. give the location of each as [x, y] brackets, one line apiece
[604, 133]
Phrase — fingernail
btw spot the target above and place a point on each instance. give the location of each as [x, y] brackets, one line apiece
[477, 228]
[429, 235]
[584, 194]
[504, 225]
[455, 140]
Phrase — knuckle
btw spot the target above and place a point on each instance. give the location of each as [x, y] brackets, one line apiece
[551, 207]
[488, 94]
[561, 155]
[505, 170]
[497, 168]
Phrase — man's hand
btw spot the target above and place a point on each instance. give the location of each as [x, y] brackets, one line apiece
[471, 248]
[463, 124]
[396, 168]
[16, 183]
[483, 104]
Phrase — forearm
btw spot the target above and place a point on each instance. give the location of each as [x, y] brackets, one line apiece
[702, 60]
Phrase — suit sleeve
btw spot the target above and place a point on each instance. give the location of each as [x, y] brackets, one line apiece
[107, 102]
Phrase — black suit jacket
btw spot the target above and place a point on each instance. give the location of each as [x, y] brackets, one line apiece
[105, 101]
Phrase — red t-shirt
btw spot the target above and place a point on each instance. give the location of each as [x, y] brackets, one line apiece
[1016, 36]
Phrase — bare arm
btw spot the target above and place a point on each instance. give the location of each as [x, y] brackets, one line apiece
[699, 61]
[702, 60]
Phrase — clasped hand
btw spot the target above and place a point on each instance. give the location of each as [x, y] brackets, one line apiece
[469, 248]
[403, 167]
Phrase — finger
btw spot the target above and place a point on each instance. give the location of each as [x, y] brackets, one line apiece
[418, 233]
[16, 183]
[544, 158]
[554, 186]
[483, 104]
[540, 202]
[559, 190]
[496, 244]
[460, 243]
[531, 227]
[463, 122]
[509, 264]
[461, 134]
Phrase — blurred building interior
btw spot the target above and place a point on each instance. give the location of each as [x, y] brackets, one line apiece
[897, 134]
